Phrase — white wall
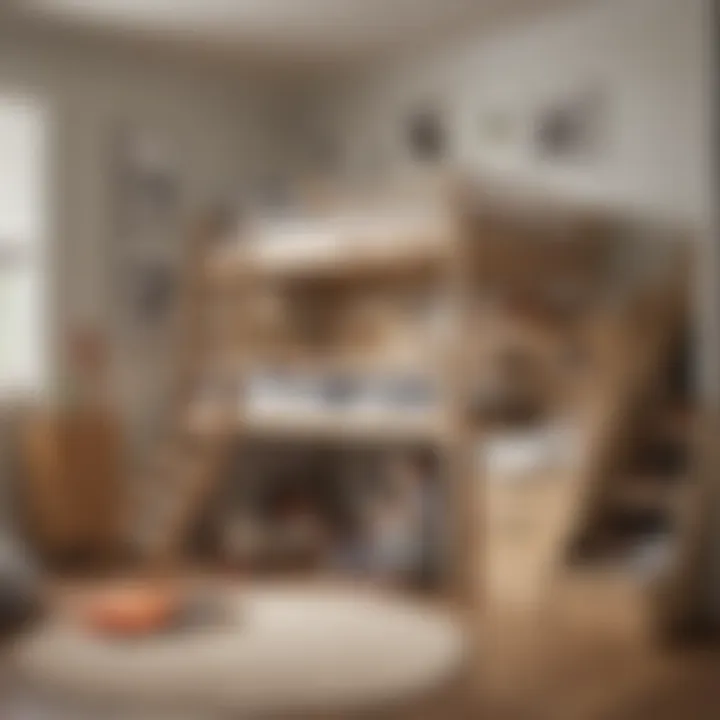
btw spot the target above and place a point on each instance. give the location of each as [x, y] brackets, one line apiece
[215, 121]
[648, 57]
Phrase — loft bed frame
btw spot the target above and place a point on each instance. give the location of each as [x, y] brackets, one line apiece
[528, 285]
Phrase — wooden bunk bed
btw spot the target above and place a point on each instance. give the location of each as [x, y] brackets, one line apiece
[308, 295]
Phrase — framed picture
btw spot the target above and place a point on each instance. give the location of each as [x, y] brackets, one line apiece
[146, 184]
[571, 129]
[426, 135]
[147, 205]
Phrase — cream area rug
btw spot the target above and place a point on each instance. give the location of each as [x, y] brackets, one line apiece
[276, 651]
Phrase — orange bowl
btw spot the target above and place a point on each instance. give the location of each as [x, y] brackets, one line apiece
[131, 611]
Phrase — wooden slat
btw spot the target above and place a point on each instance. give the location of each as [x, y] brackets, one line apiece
[347, 259]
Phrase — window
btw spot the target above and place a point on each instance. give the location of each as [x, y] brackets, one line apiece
[23, 218]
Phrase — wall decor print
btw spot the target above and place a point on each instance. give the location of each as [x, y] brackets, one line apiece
[147, 184]
[571, 129]
[147, 208]
[426, 135]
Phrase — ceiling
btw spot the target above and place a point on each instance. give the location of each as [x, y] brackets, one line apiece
[332, 30]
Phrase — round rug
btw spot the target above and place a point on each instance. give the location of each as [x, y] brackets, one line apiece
[278, 650]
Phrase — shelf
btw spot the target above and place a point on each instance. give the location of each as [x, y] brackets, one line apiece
[424, 364]
[402, 428]
[650, 493]
[341, 259]
[324, 425]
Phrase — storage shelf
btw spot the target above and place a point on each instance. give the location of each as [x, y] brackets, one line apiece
[324, 425]
[651, 493]
[330, 260]
[426, 364]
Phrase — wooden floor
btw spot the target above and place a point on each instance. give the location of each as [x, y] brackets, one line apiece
[579, 679]
[539, 670]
